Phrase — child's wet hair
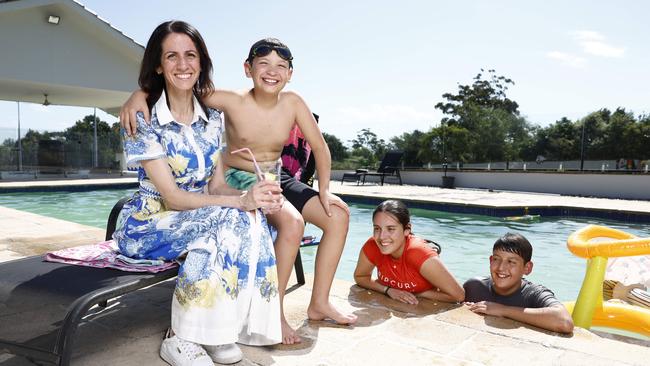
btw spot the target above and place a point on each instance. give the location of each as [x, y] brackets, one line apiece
[515, 243]
[397, 209]
[271, 44]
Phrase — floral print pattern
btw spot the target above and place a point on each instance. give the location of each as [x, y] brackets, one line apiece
[226, 289]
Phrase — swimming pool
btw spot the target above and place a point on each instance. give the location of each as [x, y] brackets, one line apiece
[466, 239]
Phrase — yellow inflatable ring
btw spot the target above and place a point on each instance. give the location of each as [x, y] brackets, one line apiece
[614, 314]
[620, 243]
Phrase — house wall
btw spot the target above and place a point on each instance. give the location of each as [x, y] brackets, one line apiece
[608, 185]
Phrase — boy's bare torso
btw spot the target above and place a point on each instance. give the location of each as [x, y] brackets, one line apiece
[263, 130]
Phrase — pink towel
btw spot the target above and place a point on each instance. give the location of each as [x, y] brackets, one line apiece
[295, 154]
[106, 255]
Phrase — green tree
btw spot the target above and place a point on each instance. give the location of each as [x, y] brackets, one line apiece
[607, 136]
[485, 119]
[367, 148]
[410, 143]
[593, 127]
[558, 141]
[338, 151]
[368, 139]
[85, 127]
[620, 126]
[519, 138]
[79, 142]
[642, 141]
[488, 93]
[30, 145]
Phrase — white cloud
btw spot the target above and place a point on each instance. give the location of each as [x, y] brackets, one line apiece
[591, 43]
[585, 35]
[603, 49]
[594, 43]
[568, 59]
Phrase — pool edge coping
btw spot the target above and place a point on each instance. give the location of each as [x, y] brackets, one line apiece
[628, 216]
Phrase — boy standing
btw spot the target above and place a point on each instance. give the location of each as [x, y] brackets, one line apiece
[260, 119]
[505, 293]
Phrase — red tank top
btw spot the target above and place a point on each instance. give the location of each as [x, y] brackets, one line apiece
[402, 273]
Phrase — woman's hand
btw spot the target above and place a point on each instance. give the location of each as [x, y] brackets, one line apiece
[137, 103]
[327, 199]
[266, 195]
[403, 296]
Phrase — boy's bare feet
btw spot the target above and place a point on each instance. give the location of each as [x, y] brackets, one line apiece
[289, 335]
[328, 311]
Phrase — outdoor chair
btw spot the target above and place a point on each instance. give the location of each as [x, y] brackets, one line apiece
[354, 176]
[389, 167]
[42, 303]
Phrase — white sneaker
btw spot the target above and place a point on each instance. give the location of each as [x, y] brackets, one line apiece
[179, 352]
[225, 353]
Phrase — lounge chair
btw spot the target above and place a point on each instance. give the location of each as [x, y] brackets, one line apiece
[389, 167]
[354, 176]
[42, 302]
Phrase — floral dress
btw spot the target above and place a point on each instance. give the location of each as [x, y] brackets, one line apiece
[226, 289]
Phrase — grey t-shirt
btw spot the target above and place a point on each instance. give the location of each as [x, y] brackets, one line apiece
[529, 295]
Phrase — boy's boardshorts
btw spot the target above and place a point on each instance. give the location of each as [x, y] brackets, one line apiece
[296, 192]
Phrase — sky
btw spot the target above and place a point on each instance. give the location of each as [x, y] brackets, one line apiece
[383, 65]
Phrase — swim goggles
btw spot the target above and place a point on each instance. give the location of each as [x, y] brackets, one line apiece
[265, 49]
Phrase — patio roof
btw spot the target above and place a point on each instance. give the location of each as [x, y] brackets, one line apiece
[81, 61]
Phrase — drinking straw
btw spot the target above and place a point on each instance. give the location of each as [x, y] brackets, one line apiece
[258, 171]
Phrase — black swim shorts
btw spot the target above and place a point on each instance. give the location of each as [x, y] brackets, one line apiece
[295, 191]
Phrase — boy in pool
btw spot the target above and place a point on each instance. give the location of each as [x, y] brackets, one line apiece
[505, 293]
[261, 119]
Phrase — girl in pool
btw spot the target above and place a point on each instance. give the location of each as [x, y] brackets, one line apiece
[407, 267]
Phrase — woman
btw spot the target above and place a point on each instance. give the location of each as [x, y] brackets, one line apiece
[226, 290]
[407, 268]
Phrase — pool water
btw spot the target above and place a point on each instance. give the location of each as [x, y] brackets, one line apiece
[88, 208]
[466, 240]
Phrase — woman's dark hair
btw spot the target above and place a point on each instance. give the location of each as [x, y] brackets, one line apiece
[153, 83]
[397, 209]
[515, 243]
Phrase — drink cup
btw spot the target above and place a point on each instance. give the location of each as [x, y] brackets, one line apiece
[271, 170]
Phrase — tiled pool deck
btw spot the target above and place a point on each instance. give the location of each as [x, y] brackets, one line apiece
[129, 331]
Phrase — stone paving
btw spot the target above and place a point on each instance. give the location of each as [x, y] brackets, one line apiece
[23, 234]
[478, 197]
[129, 331]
